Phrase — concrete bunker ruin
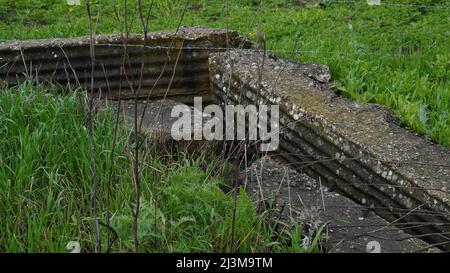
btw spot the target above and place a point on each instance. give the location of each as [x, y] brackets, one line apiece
[357, 150]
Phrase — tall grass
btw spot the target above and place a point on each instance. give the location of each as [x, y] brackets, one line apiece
[45, 186]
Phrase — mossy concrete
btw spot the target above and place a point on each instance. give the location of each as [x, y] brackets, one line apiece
[170, 63]
[359, 149]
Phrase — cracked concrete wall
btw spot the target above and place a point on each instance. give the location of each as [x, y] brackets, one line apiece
[68, 62]
[358, 149]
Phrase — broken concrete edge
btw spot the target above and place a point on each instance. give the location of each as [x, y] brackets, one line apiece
[373, 158]
[214, 36]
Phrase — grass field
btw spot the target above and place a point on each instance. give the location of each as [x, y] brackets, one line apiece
[394, 55]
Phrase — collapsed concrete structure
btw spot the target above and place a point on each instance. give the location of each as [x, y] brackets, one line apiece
[358, 150]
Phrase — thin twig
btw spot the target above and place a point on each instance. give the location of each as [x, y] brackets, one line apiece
[98, 247]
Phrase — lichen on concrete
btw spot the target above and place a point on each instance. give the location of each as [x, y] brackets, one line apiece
[359, 148]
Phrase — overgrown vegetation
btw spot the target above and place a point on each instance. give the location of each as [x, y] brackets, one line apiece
[395, 55]
[392, 54]
[46, 180]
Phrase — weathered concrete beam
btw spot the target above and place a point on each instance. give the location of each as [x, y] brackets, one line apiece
[356, 148]
[173, 73]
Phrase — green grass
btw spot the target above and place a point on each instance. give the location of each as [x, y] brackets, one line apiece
[392, 55]
[46, 183]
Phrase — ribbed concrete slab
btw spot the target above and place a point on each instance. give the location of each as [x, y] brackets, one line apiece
[173, 64]
[357, 148]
